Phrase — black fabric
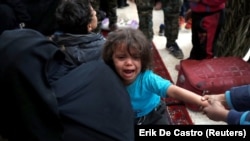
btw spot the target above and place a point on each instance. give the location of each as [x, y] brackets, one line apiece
[28, 106]
[157, 116]
[42, 15]
[100, 95]
[12, 13]
[37, 15]
[19, 9]
[8, 19]
[45, 98]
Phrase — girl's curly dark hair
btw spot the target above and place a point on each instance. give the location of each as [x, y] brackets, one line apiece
[129, 38]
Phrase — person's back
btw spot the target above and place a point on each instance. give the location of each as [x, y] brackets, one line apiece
[64, 102]
[76, 20]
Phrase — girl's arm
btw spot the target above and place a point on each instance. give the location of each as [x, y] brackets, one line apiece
[186, 96]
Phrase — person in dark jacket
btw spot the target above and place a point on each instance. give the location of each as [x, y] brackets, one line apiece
[76, 20]
[42, 13]
[233, 106]
[37, 15]
[13, 14]
[47, 98]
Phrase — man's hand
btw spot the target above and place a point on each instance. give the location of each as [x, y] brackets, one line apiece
[216, 111]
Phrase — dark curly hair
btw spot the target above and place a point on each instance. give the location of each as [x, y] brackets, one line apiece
[129, 38]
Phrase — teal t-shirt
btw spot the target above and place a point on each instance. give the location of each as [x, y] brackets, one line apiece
[146, 92]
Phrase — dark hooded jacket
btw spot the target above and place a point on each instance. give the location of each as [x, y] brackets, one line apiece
[81, 48]
[45, 98]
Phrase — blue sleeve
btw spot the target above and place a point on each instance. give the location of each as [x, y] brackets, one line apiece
[238, 118]
[238, 98]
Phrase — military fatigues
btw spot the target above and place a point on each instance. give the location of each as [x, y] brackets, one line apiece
[145, 9]
[171, 10]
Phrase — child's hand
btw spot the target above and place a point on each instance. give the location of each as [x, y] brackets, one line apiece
[204, 102]
[205, 97]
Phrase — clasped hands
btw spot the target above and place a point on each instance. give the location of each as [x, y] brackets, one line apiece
[215, 107]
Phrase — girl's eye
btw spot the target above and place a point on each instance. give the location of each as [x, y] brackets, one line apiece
[120, 57]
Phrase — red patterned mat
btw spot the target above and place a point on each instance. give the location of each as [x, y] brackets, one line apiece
[176, 110]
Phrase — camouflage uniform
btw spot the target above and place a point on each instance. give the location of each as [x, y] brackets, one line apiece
[171, 10]
[234, 37]
[145, 9]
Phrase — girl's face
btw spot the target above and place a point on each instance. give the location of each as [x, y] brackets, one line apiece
[127, 65]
